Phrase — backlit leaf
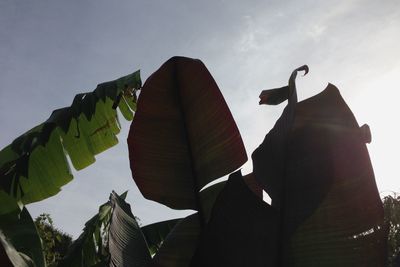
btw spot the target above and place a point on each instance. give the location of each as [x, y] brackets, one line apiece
[35, 166]
[332, 212]
[315, 166]
[183, 135]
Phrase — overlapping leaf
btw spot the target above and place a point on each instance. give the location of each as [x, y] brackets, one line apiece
[35, 166]
[156, 233]
[91, 249]
[10, 257]
[242, 230]
[269, 157]
[183, 135]
[180, 245]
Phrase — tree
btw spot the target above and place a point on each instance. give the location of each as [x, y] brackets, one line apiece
[391, 206]
[55, 242]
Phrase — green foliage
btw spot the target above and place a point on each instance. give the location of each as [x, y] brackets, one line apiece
[91, 247]
[34, 166]
[391, 205]
[113, 236]
[55, 242]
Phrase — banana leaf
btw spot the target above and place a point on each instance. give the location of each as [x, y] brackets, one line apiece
[180, 245]
[183, 135]
[156, 233]
[10, 257]
[269, 157]
[126, 242]
[21, 240]
[242, 230]
[34, 166]
[332, 212]
[90, 249]
[315, 166]
[112, 234]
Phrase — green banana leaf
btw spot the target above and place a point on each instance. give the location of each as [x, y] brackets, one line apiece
[126, 242]
[183, 135]
[20, 235]
[90, 249]
[34, 166]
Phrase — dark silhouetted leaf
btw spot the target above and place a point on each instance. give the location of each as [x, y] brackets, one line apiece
[332, 212]
[269, 157]
[183, 135]
[274, 96]
[180, 245]
[253, 185]
[20, 235]
[208, 197]
[10, 257]
[242, 230]
[156, 233]
[315, 166]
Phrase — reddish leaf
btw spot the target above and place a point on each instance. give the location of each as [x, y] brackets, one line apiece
[332, 212]
[183, 135]
[315, 165]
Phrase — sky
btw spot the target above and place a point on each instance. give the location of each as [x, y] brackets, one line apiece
[52, 50]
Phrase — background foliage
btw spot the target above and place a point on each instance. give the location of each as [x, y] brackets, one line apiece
[391, 205]
[55, 242]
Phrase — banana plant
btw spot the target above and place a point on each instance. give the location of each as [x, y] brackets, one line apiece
[314, 164]
[34, 166]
